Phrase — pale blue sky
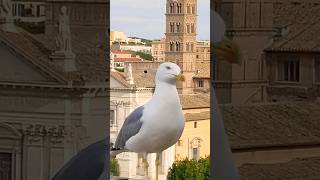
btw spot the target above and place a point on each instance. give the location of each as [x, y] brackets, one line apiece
[146, 19]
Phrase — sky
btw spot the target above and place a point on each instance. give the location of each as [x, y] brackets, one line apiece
[146, 18]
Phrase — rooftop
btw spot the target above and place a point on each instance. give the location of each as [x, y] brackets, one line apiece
[297, 169]
[36, 49]
[272, 125]
[299, 21]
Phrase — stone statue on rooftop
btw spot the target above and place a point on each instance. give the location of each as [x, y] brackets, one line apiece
[64, 35]
[130, 79]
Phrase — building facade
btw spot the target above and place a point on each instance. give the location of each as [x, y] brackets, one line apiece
[158, 49]
[48, 113]
[181, 28]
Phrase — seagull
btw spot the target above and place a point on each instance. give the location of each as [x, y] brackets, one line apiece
[223, 48]
[227, 50]
[158, 124]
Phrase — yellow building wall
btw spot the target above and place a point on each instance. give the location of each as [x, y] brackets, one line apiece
[184, 145]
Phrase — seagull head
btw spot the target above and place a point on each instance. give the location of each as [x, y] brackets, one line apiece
[169, 73]
[227, 50]
[223, 48]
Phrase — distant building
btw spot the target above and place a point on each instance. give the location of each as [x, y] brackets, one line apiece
[201, 75]
[117, 36]
[203, 51]
[118, 58]
[158, 49]
[195, 140]
[122, 38]
[128, 47]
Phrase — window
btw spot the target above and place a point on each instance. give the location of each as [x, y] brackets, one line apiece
[171, 8]
[179, 8]
[191, 47]
[177, 46]
[188, 28]
[180, 143]
[178, 27]
[112, 118]
[288, 68]
[188, 9]
[140, 165]
[195, 153]
[195, 148]
[6, 162]
[171, 46]
[171, 27]
[192, 28]
[195, 125]
[317, 69]
[200, 83]
[187, 46]
[193, 11]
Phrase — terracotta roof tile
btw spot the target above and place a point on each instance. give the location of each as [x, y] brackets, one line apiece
[197, 116]
[276, 124]
[302, 19]
[121, 52]
[201, 100]
[297, 169]
[203, 70]
[128, 59]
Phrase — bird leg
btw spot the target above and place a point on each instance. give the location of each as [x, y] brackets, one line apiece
[157, 165]
[146, 165]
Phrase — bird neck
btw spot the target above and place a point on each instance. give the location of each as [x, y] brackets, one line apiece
[165, 90]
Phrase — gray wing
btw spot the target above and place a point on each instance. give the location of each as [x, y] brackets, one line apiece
[130, 127]
[223, 165]
[90, 163]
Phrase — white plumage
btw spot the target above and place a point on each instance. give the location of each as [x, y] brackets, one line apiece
[159, 123]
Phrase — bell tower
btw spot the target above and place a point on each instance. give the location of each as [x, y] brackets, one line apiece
[181, 28]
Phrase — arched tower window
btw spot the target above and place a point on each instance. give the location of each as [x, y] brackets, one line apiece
[179, 8]
[178, 27]
[171, 8]
[193, 10]
[192, 28]
[191, 47]
[171, 46]
[187, 46]
[188, 9]
[177, 46]
[171, 27]
[188, 28]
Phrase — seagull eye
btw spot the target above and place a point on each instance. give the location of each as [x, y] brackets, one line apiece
[168, 67]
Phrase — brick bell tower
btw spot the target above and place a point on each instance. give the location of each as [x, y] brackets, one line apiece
[181, 28]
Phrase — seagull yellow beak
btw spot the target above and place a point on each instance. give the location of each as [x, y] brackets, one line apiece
[227, 50]
[180, 77]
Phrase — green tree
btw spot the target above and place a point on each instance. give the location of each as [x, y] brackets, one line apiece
[190, 170]
[114, 167]
[144, 55]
